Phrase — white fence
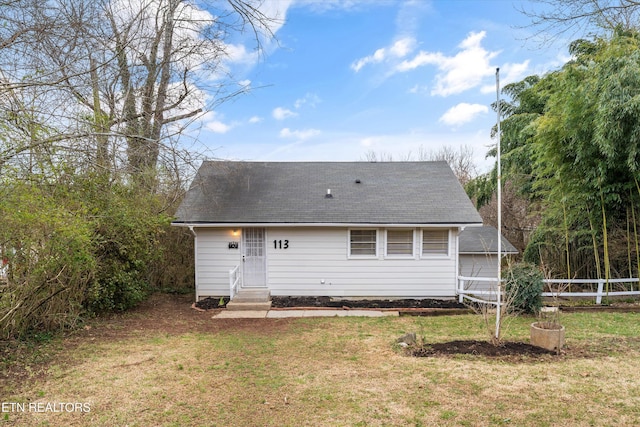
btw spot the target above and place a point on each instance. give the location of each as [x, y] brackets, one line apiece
[234, 281]
[478, 289]
[484, 289]
[602, 290]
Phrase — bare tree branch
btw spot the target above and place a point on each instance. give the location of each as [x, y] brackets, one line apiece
[577, 18]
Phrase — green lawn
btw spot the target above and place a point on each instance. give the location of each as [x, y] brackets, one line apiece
[328, 372]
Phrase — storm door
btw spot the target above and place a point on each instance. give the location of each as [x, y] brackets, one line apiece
[254, 258]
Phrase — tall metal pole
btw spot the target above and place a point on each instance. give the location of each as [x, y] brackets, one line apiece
[499, 296]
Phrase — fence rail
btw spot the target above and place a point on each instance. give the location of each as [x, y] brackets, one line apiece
[234, 281]
[485, 288]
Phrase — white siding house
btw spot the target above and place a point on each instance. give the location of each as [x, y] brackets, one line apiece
[478, 255]
[328, 229]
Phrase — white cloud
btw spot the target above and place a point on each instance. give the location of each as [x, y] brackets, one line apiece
[509, 73]
[516, 72]
[299, 134]
[402, 47]
[276, 11]
[457, 73]
[255, 119]
[399, 49]
[218, 127]
[215, 124]
[422, 58]
[463, 113]
[280, 113]
[238, 54]
[418, 89]
[378, 56]
[310, 99]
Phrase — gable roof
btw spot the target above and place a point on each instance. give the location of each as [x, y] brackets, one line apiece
[226, 192]
[481, 240]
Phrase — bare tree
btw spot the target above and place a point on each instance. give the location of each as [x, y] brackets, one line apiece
[120, 79]
[460, 161]
[94, 97]
[518, 221]
[374, 156]
[554, 18]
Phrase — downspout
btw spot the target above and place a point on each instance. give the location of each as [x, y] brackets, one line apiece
[457, 262]
[195, 261]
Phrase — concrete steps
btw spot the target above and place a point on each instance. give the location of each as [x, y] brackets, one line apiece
[251, 300]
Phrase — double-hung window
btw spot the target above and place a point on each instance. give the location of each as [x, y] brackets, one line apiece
[399, 243]
[435, 242]
[363, 243]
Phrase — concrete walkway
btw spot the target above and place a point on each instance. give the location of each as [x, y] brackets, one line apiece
[281, 314]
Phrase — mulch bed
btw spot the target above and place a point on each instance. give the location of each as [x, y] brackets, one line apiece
[327, 302]
[211, 303]
[507, 349]
[283, 302]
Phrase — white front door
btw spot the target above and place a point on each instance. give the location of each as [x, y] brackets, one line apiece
[254, 258]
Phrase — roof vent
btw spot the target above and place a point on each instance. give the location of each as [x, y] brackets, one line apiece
[328, 195]
[358, 181]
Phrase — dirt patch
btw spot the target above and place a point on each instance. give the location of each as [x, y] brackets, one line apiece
[22, 361]
[508, 350]
[171, 314]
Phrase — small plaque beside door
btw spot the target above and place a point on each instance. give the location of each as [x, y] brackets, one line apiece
[233, 245]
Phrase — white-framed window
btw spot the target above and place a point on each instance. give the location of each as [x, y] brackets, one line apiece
[363, 243]
[435, 242]
[399, 243]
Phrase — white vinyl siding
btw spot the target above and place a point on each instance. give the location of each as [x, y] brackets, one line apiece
[317, 263]
[363, 243]
[214, 259]
[479, 265]
[435, 242]
[399, 243]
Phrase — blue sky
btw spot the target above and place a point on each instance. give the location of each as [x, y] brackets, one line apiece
[392, 77]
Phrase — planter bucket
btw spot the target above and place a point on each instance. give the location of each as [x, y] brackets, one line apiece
[550, 337]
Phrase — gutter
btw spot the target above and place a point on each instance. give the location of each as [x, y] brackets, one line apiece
[191, 225]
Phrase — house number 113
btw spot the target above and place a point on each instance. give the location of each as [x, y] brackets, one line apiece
[280, 244]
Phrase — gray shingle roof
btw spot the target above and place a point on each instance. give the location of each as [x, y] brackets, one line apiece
[480, 240]
[294, 192]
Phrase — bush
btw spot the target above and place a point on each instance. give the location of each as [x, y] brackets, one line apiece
[74, 249]
[126, 247]
[50, 260]
[523, 288]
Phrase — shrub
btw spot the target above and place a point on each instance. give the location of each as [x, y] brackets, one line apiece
[74, 248]
[50, 260]
[523, 288]
[126, 246]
